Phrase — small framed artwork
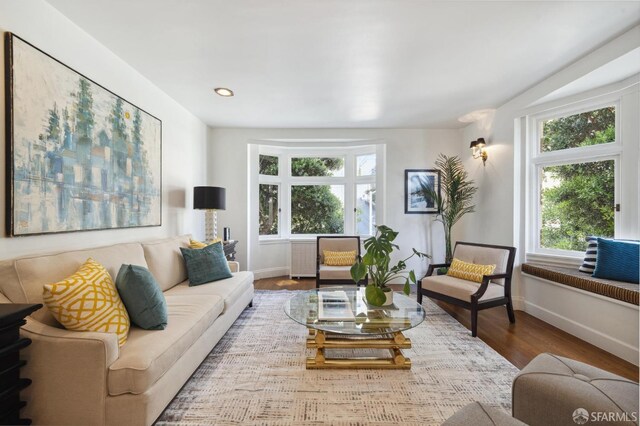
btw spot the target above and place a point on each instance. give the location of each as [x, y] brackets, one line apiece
[415, 201]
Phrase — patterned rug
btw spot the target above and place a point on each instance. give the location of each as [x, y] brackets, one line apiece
[256, 375]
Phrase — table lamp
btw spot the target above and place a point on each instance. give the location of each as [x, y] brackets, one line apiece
[211, 199]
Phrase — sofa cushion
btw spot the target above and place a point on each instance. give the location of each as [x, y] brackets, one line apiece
[206, 264]
[339, 258]
[618, 260]
[142, 297]
[34, 272]
[459, 288]
[87, 300]
[165, 260]
[469, 271]
[229, 289]
[484, 256]
[335, 272]
[148, 354]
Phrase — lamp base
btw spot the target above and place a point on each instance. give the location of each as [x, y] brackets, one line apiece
[210, 225]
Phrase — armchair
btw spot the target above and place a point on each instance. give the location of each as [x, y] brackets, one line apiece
[331, 275]
[495, 289]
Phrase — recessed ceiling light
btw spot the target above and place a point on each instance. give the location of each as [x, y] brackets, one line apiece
[223, 91]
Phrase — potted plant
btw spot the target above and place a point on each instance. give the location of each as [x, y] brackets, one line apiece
[455, 199]
[377, 263]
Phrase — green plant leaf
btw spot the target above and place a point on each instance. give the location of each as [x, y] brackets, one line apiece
[375, 296]
[407, 288]
[358, 271]
[412, 277]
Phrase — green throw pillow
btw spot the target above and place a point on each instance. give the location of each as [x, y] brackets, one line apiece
[142, 297]
[206, 264]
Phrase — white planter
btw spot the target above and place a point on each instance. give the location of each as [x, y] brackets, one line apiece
[388, 298]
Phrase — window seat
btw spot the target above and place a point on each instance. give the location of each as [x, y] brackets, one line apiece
[619, 290]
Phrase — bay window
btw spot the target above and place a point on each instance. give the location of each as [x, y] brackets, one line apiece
[303, 192]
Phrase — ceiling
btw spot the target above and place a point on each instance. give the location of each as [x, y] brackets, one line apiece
[347, 63]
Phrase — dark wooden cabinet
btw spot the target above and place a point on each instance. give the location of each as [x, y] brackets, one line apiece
[230, 249]
[11, 319]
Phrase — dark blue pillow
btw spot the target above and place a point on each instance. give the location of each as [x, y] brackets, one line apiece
[206, 264]
[142, 297]
[618, 260]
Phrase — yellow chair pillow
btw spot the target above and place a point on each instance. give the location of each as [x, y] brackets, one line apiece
[195, 244]
[339, 258]
[88, 301]
[469, 271]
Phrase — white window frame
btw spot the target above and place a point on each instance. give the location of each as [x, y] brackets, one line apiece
[285, 181]
[537, 160]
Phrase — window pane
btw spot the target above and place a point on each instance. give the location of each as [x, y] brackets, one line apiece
[268, 196]
[576, 200]
[366, 165]
[317, 209]
[584, 129]
[365, 209]
[317, 166]
[269, 165]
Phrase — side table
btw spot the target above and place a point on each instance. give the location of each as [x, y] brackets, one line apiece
[11, 319]
[230, 249]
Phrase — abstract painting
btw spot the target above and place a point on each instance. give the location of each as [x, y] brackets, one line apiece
[415, 200]
[79, 157]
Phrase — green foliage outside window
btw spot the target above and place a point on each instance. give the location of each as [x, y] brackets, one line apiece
[577, 200]
[315, 209]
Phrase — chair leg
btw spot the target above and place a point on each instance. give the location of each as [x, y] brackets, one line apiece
[251, 303]
[512, 316]
[419, 296]
[474, 320]
[317, 282]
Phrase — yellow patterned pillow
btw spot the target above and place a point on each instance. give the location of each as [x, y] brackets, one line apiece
[195, 244]
[469, 271]
[88, 301]
[339, 258]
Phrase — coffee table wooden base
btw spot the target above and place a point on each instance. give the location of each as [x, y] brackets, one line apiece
[394, 342]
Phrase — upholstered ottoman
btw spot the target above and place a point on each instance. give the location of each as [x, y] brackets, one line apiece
[553, 390]
[477, 414]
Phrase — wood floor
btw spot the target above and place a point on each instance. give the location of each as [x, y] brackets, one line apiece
[519, 342]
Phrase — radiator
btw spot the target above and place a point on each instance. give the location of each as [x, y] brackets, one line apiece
[303, 259]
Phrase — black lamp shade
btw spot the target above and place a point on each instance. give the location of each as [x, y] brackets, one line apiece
[473, 144]
[209, 198]
[481, 142]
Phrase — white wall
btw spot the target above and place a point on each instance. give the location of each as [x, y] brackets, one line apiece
[406, 148]
[183, 141]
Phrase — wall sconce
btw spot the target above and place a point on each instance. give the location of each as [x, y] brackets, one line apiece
[478, 150]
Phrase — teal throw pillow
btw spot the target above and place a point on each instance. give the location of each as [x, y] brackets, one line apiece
[142, 297]
[206, 264]
[618, 260]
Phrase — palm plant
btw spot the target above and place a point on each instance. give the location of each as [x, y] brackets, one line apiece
[454, 199]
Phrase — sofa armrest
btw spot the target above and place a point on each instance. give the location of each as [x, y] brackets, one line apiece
[234, 266]
[69, 372]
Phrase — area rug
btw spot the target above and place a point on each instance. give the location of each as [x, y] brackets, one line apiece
[256, 375]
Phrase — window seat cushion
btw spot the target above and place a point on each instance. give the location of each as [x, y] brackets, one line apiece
[625, 292]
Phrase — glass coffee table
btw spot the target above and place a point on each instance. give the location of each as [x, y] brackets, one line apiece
[354, 324]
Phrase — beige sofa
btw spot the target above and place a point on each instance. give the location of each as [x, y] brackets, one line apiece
[84, 377]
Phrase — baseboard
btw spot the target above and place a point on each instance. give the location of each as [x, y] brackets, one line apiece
[271, 272]
[518, 303]
[595, 337]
